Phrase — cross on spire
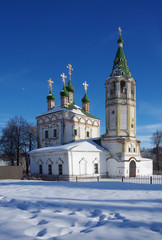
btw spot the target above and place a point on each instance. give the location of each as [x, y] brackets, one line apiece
[50, 82]
[119, 28]
[85, 86]
[63, 77]
[70, 68]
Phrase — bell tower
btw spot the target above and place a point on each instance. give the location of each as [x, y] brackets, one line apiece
[120, 106]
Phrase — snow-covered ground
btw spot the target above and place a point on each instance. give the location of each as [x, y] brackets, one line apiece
[93, 210]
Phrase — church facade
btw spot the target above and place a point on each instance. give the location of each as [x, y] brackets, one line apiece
[69, 141]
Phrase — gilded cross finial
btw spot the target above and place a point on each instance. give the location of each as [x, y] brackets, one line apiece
[63, 77]
[85, 86]
[50, 82]
[119, 28]
[70, 68]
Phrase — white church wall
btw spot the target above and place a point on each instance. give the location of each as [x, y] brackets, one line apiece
[115, 168]
[82, 163]
[43, 158]
[123, 117]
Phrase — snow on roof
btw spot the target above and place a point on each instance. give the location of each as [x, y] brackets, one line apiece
[71, 108]
[78, 146]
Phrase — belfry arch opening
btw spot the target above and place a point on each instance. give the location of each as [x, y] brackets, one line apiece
[132, 169]
[123, 88]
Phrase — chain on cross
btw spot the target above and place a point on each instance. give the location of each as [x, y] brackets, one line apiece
[63, 77]
[85, 86]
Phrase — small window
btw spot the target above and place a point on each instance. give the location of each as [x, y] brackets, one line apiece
[132, 125]
[87, 134]
[54, 133]
[40, 169]
[96, 168]
[46, 134]
[129, 149]
[75, 132]
[50, 169]
[60, 169]
[113, 112]
[134, 150]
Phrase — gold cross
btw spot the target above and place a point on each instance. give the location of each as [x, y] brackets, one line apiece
[50, 84]
[85, 86]
[119, 28]
[70, 68]
[63, 77]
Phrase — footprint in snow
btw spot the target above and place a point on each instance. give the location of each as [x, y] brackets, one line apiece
[42, 233]
[42, 222]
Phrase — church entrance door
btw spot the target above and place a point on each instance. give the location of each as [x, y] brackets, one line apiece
[132, 169]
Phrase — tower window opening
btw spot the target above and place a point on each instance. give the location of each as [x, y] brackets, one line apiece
[113, 88]
[113, 112]
[132, 88]
[132, 125]
[123, 88]
[129, 149]
[87, 134]
[134, 150]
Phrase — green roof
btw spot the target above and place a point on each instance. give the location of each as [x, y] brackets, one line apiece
[120, 66]
[70, 87]
[51, 96]
[64, 92]
[85, 99]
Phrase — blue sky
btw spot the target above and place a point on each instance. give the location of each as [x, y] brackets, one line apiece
[39, 38]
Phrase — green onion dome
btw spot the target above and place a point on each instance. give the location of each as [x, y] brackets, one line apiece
[70, 87]
[51, 96]
[64, 92]
[85, 99]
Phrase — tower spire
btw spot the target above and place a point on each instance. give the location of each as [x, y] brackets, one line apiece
[120, 66]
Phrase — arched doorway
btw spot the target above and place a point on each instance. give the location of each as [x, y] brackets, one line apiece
[132, 169]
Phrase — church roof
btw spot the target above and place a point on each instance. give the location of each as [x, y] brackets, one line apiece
[71, 108]
[79, 146]
[120, 66]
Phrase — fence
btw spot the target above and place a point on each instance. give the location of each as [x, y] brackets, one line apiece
[10, 172]
[154, 179]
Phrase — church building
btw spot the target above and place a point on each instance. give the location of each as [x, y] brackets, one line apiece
[69, 141]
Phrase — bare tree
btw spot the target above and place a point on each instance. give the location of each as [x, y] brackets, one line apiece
[157, 140]
[17, 137]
